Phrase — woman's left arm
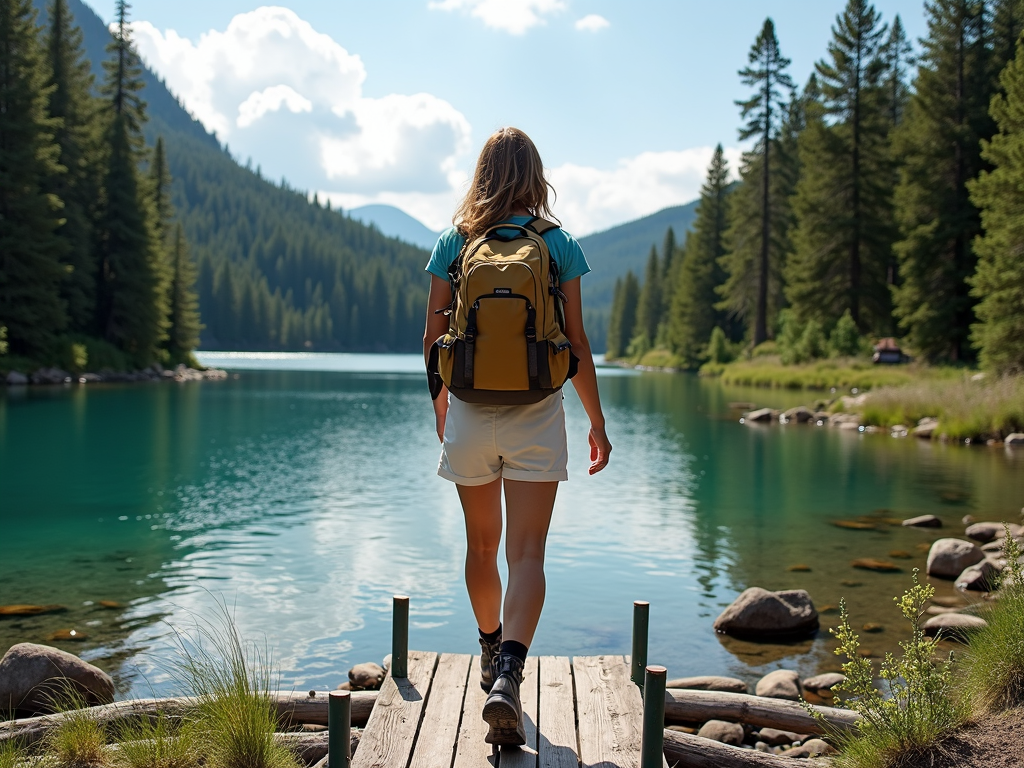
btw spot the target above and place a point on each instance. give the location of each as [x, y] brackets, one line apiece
[585, 380]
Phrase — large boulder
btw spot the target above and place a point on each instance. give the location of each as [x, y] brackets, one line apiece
[709, 683]
[780, 684]
[953, 626]
[761, 615]
[948, 557]
[983, 577]
[720, 730]
[33, 676]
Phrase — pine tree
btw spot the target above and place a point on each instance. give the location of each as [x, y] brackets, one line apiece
[764, 112]
[183, 334]
[623, 315]
[843, 203]
[897, 56]
[132, 295]
[30, 270]
[692, 315]
[1006, 28]
[940, 145]
[648, 312]
[998, 283]
[160, 182]
[78, 185]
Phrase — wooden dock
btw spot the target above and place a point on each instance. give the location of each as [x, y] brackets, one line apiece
[584, 712]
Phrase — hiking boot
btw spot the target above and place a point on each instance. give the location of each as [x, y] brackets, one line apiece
[488, 655]
[503, 711]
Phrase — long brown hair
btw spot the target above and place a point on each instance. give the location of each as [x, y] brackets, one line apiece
[509, 175]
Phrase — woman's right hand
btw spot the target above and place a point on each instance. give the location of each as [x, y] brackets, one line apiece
[600, 449]
[441, 414]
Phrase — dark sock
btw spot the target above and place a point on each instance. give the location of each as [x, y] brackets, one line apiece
[490, 637]
[515, 648]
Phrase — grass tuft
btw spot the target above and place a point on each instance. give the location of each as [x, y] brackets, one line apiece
[235, 718]
[79, 741]
[994, 662]
[12, 754]
[158, 743]
[917, 707]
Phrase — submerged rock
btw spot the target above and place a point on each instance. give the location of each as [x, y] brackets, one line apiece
[31, 676]
[780, 684]
[762, 615]
[722, 731]
[709, 683]
[30, 610]
[947, 558]
[874, 564]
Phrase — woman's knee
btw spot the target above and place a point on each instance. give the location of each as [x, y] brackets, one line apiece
[483, 549]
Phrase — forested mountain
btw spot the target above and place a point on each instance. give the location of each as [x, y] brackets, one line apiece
[275, 271]
[876, 200]
[394, 222]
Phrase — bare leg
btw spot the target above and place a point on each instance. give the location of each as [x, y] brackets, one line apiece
[528, 509]
[482, 507]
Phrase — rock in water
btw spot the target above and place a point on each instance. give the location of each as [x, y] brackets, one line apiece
[923, 521]
[31, 675]
[367, 676]
[722, 731]
[982, 577]
[947, 558]
[760, 614]
[800, 414]
[874, 564]
[16, 379]
[762, 414]
[1014, 438]
[987, 532]
[780, 684]
[823, 684]
[954, 626]
[709, 683]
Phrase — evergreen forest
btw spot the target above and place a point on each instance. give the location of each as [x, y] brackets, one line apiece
[882, 198]
[128, 235]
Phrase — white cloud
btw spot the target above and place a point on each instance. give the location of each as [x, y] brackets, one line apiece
[592, 23]
[592, 199]
[279, 91]
[513, 16]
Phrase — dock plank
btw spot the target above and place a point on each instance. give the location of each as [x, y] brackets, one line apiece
[471, 751]
[526, 756]
[390, 733]
[610, 712]
[556, 747]
[435, 745]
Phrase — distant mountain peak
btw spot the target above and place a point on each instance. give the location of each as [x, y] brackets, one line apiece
[394, 222]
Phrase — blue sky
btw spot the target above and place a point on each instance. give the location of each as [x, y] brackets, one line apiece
[389, 100]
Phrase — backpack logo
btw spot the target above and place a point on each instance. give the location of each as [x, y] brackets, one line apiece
[503, 291]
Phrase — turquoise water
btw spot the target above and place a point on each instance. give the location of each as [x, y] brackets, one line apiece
[302, 494]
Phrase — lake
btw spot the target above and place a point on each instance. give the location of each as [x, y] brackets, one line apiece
[301, 493]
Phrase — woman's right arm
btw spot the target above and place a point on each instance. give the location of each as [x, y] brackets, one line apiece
[439, 298]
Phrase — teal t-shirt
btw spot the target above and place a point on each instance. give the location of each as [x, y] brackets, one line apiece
[563, 247]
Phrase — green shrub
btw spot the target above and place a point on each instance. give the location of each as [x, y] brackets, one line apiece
[719, 349]
[102, 355]
[765, 349]
[788, 337]
[812, 344]
[845, 340]
[994, 662]
[158, 743]
[235, 718]
[4, 346]
[918, 706]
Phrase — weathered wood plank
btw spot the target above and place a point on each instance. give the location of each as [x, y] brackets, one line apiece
[701, 706]
[526, 757]
[610, 712]
[472, 751]
[435, 745]
[556, 745]
[391, 730]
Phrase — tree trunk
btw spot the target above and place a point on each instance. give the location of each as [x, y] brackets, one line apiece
[688, 706]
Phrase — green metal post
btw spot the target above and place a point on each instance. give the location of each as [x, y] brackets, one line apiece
[638, 661]
[400, 638]
[339, 729]
[652, 743]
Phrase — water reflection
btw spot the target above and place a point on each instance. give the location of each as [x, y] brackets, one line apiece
[304, 499]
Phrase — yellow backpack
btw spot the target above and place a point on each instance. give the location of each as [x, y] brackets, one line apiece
[505, 343]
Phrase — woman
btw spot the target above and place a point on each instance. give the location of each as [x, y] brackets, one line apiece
[518, 448]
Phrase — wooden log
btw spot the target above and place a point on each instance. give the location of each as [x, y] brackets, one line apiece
[291, 708]
[685, 751]
[311, 748]
[700, 706]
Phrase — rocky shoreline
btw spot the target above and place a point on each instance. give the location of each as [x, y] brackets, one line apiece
[156, 372]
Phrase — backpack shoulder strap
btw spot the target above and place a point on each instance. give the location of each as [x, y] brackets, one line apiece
[540, 226]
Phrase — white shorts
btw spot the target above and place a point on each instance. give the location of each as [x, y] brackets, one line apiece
[517, 442]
